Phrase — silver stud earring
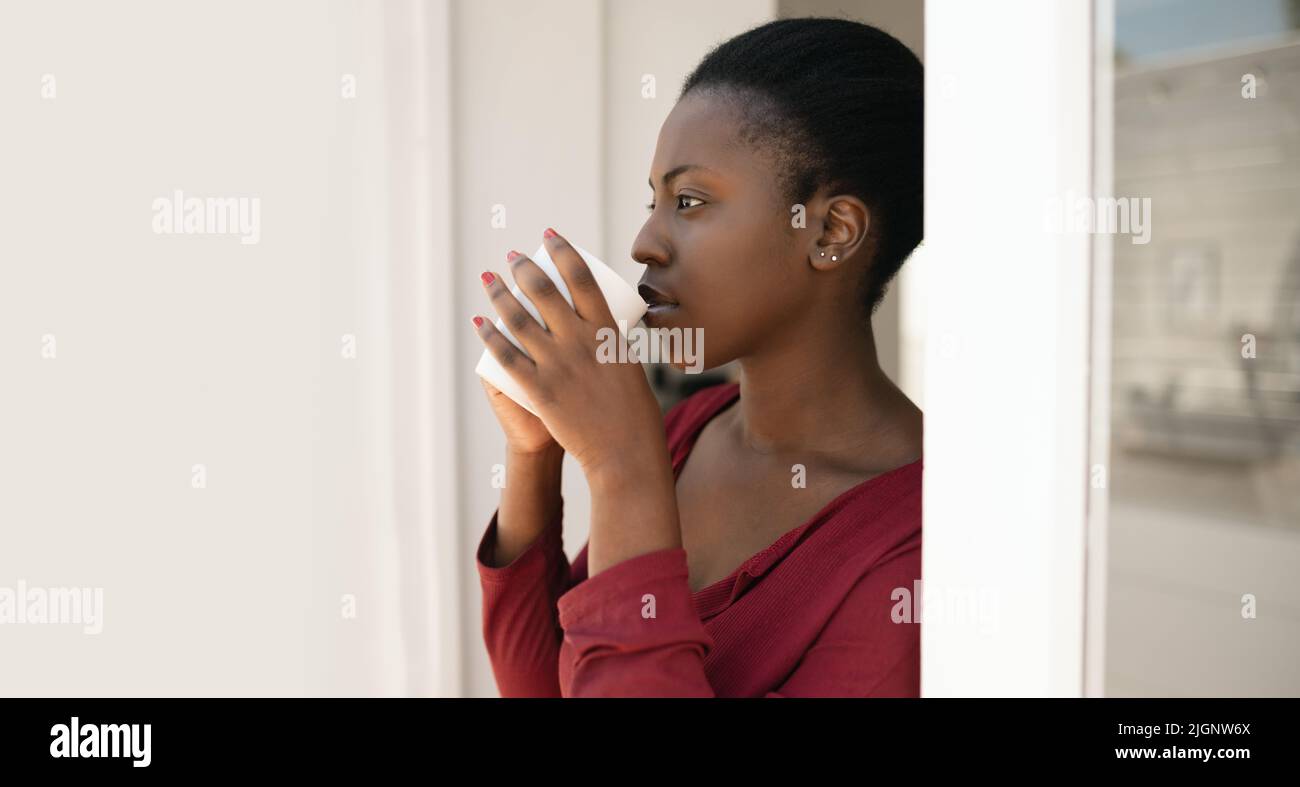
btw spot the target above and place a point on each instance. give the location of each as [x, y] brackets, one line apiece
[823, 254]
[833, 258]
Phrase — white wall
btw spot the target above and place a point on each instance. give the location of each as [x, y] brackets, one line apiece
[181, 350]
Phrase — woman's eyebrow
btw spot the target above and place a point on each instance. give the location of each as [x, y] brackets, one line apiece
[678, 170]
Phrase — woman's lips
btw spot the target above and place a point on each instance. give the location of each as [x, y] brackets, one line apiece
[658, 304]
[653, 296]
[656, 313]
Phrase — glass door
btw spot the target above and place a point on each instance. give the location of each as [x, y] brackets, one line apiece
[1199, 124]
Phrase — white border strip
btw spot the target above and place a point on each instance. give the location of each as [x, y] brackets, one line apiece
[1103, 165]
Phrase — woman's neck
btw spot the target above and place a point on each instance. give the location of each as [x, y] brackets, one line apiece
[824, 395]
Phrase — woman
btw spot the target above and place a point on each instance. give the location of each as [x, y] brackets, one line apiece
[781, 559]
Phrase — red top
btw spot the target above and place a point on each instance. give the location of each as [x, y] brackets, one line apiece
[812, 615]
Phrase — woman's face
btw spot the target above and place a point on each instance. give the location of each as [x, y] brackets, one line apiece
[719, 243]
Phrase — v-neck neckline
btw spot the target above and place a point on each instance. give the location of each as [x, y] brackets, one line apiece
[711, 599]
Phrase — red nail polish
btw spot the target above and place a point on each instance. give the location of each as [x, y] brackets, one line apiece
[510, 255]
[550, 233]
[487, 277]
[478, 321]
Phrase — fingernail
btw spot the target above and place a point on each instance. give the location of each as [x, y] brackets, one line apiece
[510, 255]
[478, 321]
[550, 233]
[488, 278]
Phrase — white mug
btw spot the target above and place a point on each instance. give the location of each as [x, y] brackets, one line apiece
[625, 304]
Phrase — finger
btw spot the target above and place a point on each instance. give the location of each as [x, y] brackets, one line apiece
[588, 301]
[542, 290]
[518, 322]
[519, 366]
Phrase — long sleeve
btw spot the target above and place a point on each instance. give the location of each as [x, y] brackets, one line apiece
[862, 651]
[635, 633]
[520, 624]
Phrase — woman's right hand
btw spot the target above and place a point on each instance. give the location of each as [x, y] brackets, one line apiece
[531, 497]
[525, 432]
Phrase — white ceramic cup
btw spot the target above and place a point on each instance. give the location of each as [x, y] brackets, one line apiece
[625, 304]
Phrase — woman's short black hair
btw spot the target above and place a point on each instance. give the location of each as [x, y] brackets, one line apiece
[836, 103]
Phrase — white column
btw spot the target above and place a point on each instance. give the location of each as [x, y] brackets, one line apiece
[1008, 126]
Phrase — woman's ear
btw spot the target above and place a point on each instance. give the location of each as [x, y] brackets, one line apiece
[845, 225]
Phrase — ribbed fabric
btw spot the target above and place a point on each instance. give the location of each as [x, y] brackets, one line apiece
[813, 615]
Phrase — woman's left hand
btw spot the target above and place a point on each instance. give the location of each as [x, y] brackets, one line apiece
[602, 413]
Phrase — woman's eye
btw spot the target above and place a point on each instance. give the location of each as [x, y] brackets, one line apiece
[680, 197]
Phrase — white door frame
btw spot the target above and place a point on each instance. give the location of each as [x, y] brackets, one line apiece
[1009, 128]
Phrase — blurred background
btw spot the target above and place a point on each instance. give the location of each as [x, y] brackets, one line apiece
[275, 458]
[1205, 396]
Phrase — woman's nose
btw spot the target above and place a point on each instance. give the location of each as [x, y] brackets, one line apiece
[648, 249]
